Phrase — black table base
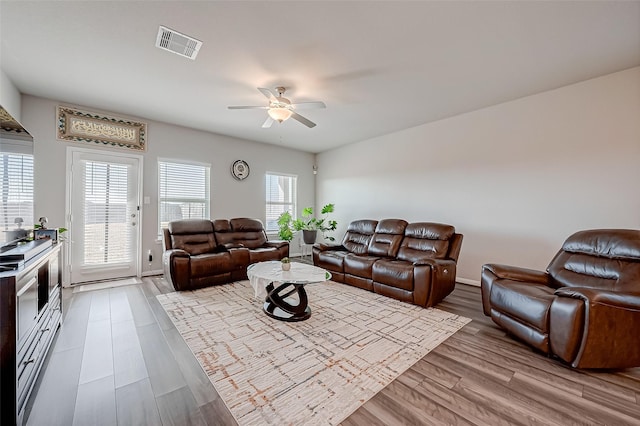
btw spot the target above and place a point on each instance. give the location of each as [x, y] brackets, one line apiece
[276, 305]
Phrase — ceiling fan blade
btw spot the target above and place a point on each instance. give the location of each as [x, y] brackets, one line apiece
[248, 107]
[268, 93]
[268, 123]
[309, 105]
[303, 120]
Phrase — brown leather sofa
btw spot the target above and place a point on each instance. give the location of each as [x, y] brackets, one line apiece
[200, 253]
[585, 309]
[412, 262]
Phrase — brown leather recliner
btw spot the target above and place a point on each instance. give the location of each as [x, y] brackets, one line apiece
[585, 309]
[424, 269]
[200, 253]
[415, 262]
[356, 240]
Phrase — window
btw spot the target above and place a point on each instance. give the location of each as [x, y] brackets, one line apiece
[16, 194]
[106, 213]
[183, 192]
[281, 197]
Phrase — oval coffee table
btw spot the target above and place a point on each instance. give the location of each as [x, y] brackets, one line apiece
[276, 286]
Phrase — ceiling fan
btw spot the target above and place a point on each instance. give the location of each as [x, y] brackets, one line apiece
[281, 109]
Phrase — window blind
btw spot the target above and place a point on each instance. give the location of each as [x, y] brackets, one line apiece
[280, 197]
[183, 192]
[107, 239]
[16, 195]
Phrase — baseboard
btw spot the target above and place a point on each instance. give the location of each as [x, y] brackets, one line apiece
[475, 283]
[150, 273]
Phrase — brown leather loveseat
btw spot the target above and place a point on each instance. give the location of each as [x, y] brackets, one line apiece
[412, 262]
[200, 253]
[585, 309]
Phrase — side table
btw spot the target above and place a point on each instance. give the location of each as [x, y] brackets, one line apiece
[276, 286]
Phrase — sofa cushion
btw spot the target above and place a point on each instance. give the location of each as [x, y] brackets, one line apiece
[195, 236]
[424, 240]
[604, 259]
[609, 243]
[210, 264]
[394, 273]
[247, 232]
[526, 302]
[332, 260]
[263, 254]
[359, 233]
[250, 232]
[359, 265]
[386, 240]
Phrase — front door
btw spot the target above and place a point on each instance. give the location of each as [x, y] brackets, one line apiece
[104, 221]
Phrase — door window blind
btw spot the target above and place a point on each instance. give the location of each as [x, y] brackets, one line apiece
[281, 197]
[16, 195]
[183, 192]
[107, 239]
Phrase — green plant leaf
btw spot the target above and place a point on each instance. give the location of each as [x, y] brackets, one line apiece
[327, 209]
[284, 218]
[288, 225]
[284, 227]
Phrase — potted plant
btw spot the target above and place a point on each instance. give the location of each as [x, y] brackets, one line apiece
[286, 263]
[308, 224]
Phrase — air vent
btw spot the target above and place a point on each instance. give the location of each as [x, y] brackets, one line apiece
[177, 43]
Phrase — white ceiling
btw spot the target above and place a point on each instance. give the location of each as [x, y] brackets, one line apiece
[379, 66]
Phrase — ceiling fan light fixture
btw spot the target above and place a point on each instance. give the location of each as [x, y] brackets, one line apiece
[281, 109]
[279, 114]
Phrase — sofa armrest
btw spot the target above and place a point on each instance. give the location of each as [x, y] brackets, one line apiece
[492, 272]
[276, 243]
[595, 297]
[175, 253]
[281, 247]
[329, 247]
[176, 266]
[434, 279]
[609, 337]
[516, 273]
[227, 247]
[432, 262]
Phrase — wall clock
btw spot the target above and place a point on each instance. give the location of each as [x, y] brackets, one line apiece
[240, 169]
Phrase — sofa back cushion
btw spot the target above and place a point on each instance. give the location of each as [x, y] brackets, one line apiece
[601, 258]
[424, 240]
[358, 235]
[223, 231]
[195, 236]
[386, 240]
[248, 232]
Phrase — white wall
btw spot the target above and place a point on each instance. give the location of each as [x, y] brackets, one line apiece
[10, 97]
[516, 178]
[229, 197]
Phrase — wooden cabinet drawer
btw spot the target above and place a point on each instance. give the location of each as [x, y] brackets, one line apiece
[36, 351]
[26, 306]
[26, 370]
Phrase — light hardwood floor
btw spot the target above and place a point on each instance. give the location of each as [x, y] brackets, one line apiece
[118, 359]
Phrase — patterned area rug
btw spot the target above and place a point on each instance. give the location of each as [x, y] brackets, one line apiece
[317, 371]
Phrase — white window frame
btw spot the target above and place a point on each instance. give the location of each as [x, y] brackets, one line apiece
[207, 186]
[293, 203]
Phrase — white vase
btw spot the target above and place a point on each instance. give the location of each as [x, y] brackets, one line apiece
[286, 266]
